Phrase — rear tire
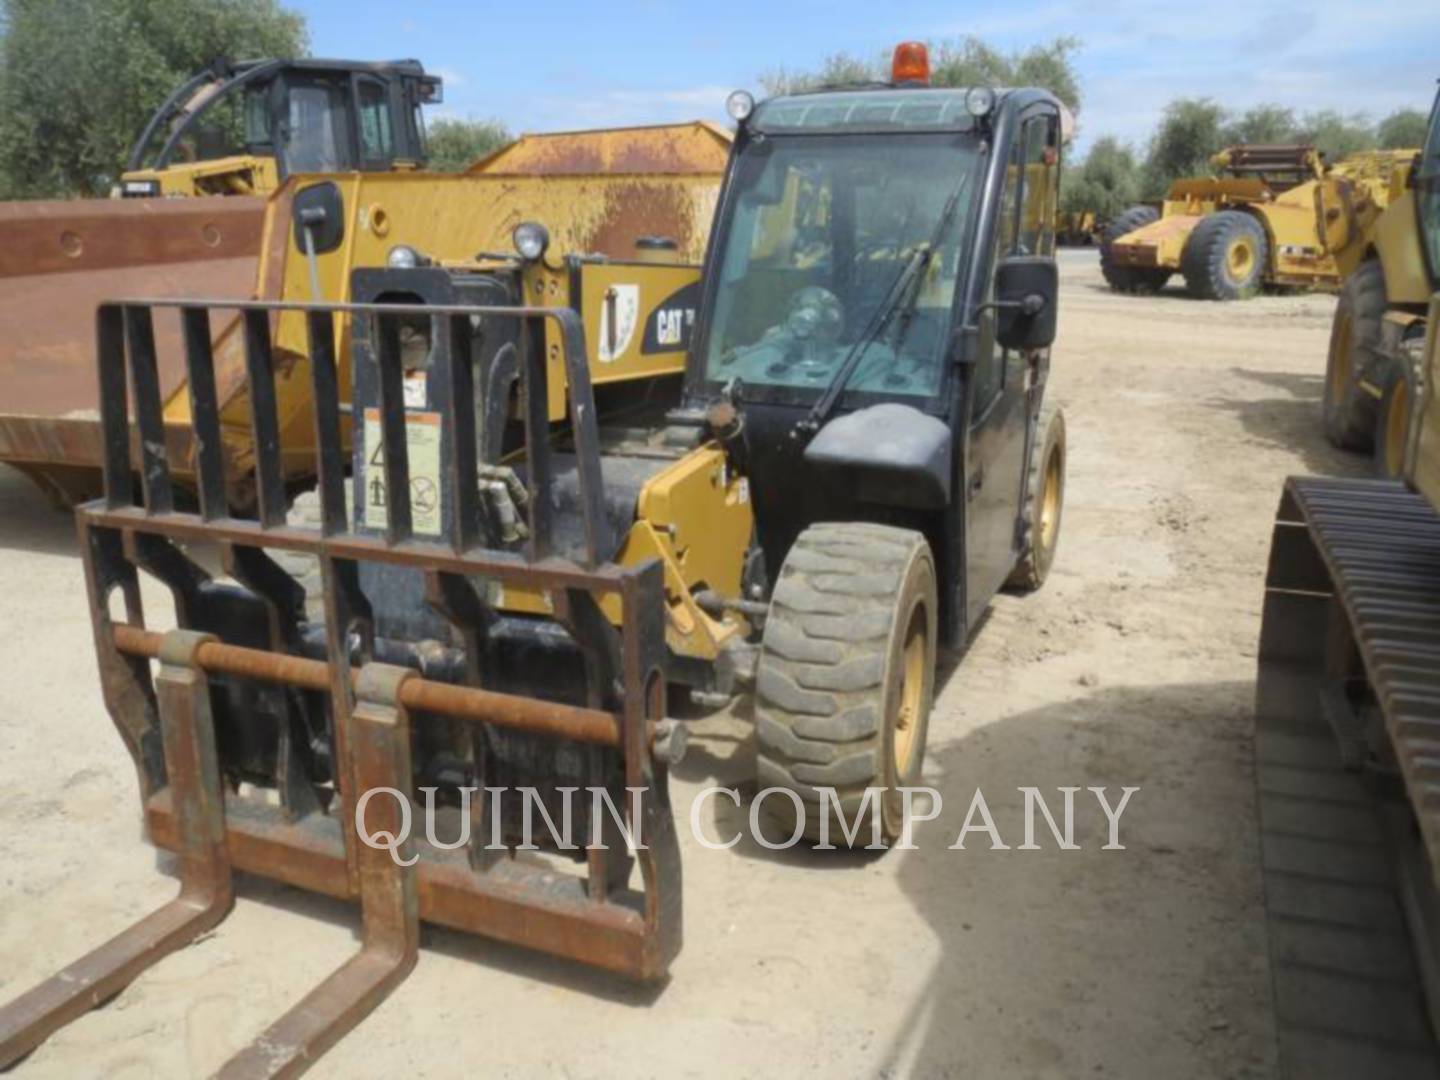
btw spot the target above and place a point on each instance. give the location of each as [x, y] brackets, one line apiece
[1044, 502]
[846, 676]
[1130, 279]
[1225, 257]
[1349, 411]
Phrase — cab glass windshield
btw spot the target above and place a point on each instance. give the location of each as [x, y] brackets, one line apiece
[841, 245]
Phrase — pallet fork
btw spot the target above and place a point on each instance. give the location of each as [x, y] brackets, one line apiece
[170, 716]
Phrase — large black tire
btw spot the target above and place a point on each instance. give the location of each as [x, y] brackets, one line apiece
[1394, 416]
[1225, 256]
[846, 676]
[1044, 502]
[1131, 279]
[1349, 409]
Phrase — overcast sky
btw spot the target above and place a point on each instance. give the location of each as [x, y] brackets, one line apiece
[546, 67]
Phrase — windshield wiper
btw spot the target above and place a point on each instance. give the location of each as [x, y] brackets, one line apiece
[900, 300]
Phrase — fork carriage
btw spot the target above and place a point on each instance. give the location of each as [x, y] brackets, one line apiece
[257, 733]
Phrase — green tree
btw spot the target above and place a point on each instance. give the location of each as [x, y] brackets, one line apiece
[1190, 131]
[455, 144]
[1104, 183]
[79, 78]
[966, 62]
[972, 62]
[1404, 129]
[1336, 135]
[837, 69]
[1262, 124]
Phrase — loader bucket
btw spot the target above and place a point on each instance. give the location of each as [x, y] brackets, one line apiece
[273, 746]
[61, 258]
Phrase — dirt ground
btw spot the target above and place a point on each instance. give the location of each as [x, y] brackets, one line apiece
[1134, 666]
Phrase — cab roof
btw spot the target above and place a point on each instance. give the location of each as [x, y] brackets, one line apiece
[881, 108]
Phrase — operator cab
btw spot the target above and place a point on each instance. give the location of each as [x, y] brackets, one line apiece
[246, 126]
[879, 298]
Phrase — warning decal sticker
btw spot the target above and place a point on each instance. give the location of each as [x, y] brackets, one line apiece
[422, 443]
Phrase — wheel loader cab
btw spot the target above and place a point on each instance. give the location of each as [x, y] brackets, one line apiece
[851, 315]
[242, 128]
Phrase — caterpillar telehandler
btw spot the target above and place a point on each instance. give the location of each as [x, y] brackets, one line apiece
[1274, 216]
[1350, 633]
[856, 457]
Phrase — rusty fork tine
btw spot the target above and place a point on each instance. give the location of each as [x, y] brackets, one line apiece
[380, 758]
[205, 880]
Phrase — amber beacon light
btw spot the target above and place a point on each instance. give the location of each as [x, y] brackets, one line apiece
[911, 63]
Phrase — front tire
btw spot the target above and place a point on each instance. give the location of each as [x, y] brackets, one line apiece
[846, 677]
[1349, 411]
[1393, 420]
[1225, 257]
[1130, 279]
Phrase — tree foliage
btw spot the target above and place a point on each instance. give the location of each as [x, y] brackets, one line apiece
[1104, 183]
[1262, 124]
[966, 62]
[1404, 129]
[1190, 131]
[1336, 135]
[837, 69]
[79, 78]
[455, 144]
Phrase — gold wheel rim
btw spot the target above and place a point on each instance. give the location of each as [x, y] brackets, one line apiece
[910, 710]
[1340, 370]
[1240, 258]
[1050, 501]
[1397, 428]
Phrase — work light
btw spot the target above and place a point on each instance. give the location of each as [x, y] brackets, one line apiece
[530, 239]
[740, 104]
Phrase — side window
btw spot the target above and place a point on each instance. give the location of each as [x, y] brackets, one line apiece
[1040, 177]
[989, 377]
[377, 140]
[315, 137]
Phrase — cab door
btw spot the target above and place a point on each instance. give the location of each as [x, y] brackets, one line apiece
[1002, 378]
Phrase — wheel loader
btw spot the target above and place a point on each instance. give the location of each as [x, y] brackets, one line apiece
[857, 456]
[601, 191]
[1273, 217]
[1349, 635]
[1374, 375]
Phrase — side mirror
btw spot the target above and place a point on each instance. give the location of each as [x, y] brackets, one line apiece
[1026, 291]
[318, 213]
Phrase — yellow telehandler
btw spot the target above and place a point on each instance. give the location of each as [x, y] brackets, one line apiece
[857, 454]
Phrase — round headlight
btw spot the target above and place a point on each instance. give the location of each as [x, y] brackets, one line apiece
[402, 257]
[979, 100]
[530, 239]
[740, 104]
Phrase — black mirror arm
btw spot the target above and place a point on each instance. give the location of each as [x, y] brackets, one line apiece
[1030, 304]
